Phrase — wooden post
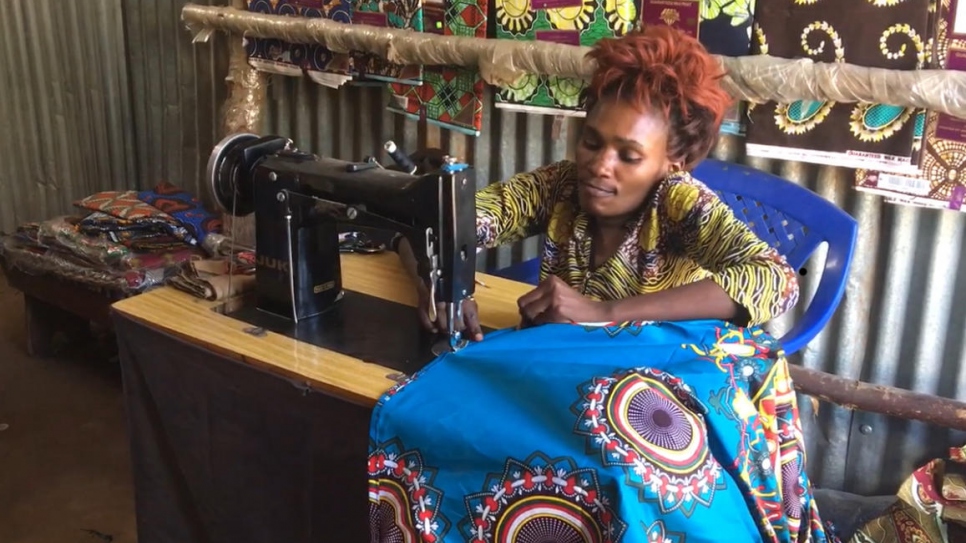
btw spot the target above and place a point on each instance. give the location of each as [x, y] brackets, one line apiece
[242, 112]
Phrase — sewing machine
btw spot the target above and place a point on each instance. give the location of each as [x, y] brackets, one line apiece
[299, 199]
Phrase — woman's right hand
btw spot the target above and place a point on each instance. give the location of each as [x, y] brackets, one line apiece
[469, 324]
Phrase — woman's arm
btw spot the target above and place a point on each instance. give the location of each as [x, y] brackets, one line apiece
[520, 207]
[748, 272]
[697, 301]
[510, 210]
[505, 212]
[750, 282]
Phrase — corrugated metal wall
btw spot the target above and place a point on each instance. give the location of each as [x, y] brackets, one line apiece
[101, 95]
[110, 93]
[66, 111]
[175, 92]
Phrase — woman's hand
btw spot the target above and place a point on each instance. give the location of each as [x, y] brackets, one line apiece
[469, 324]
[554, 301]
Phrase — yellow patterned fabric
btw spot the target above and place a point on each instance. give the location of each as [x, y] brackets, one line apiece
[681, 235]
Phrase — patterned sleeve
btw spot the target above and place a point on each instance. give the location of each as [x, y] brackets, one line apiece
[519, 207]
[748, 269]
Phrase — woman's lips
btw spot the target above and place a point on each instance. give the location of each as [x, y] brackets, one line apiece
[597, 191]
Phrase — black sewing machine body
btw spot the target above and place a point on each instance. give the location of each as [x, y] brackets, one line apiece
[299, 200]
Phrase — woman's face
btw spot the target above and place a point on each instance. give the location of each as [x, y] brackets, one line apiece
[621, 156]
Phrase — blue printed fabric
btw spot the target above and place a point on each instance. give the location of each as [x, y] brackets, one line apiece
[184, 207]
[665, 432]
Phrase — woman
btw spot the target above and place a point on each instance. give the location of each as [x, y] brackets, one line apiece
[630, 235]
[624, 432]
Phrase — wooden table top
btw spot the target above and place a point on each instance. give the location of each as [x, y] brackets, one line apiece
[197, 321]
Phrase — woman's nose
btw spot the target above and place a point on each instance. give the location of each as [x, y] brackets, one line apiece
[602, 164]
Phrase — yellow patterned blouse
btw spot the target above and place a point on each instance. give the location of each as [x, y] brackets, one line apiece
[682, 235]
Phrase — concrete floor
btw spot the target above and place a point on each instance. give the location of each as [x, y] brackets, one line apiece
[64, 460]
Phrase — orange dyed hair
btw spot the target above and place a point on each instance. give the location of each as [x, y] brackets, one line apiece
[663, 69]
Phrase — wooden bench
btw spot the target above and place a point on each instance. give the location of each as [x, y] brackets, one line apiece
[54, 305]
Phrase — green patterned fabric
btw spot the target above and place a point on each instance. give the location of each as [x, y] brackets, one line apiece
[580, 22]
[402, 14]
[450, 96]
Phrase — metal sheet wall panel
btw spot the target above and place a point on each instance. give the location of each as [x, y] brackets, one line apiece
[176, 92]
[65, 111]
[101, 95]
[900, 322]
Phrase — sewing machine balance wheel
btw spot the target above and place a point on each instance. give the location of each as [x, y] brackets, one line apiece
[229, 172]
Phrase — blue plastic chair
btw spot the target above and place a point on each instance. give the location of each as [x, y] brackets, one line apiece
[791, 218]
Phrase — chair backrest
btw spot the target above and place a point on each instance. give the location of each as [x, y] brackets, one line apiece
[791, 218]
[795, 221]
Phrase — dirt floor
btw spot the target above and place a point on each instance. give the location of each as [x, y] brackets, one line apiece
[64, 460]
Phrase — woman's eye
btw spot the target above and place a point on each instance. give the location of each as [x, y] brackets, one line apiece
[630, 158]
[590, 143]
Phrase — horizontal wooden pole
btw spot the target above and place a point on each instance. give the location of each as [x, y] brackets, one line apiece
[885, 400]
[753, 78]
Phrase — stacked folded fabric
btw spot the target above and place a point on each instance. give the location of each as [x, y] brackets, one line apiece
[124, 240]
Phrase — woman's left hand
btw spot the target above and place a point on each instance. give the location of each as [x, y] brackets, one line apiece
[554, 301]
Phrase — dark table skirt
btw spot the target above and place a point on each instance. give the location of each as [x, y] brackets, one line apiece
[225, 453]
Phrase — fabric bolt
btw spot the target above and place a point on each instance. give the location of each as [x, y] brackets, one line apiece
[939, 184]
[573, 22]
[172, 259]
[931, 506]
[639, 432]
[183, 207]
[684, 233]
[892, 35]
[212, 280]
[137, 236]
[273, 55]
[27, 238]
[64, 232]
[102, 223]
[401, 14]
[451, 97]
[725, 29]
[321, 63]
[21, 250]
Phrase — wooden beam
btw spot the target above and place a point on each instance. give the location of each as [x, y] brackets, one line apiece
[885, 400]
